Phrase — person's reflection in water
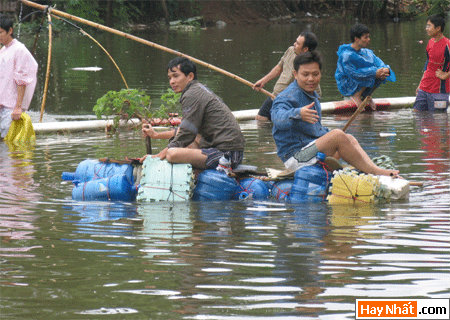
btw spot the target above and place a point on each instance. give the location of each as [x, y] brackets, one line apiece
[16, 193]
[435, 141]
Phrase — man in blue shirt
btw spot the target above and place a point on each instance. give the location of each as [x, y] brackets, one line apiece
[297, 128]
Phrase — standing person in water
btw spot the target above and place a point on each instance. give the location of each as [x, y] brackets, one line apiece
[306, 41]
[297, 128]
[433, 91]
[18, 79]
[205, 117]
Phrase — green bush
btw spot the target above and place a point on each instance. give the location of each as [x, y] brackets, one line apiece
[170, 104]
[123, 104]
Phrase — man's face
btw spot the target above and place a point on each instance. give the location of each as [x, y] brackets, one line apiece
[5, 36]
[178, 80]
[364, 41]
[432, 31]
[298, 45]
[308, 76]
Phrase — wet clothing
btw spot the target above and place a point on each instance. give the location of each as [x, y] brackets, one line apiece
[289, 131]
[18, 68]
[426, 101]
[206, 114]
[357, 69]
[438, 57]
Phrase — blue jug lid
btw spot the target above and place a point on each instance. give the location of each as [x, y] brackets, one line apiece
[321, 156]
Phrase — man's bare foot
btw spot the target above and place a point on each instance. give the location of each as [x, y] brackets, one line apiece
[387, 172]
[372, 104]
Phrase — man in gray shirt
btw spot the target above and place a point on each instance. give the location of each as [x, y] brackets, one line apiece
[205, 116]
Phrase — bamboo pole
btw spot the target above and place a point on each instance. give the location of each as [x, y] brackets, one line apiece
[146, 42]
[49, 60]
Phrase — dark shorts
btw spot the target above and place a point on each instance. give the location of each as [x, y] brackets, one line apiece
[266, 108]
[213, 156]
[431, 101]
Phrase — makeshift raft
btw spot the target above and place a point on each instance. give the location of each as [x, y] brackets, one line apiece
[158, 180]
[346, 106]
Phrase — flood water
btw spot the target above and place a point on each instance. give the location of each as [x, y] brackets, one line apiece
[63, 259]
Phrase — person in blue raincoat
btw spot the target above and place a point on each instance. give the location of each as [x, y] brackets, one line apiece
[359, 71]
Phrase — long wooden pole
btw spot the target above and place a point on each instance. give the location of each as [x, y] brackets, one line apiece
[49, 61]
[143, 41]
[362, 105]
[357, 111]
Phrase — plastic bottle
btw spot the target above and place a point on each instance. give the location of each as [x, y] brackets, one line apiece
[251, 187]
[282, 189]
[90, 169]
[214, 185]
[310, 183]
[115, 188]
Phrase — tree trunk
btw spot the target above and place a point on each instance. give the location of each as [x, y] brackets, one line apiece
[166, 12]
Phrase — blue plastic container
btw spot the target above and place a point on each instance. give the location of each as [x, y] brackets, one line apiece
[282, 189]
[214, 185]
[310, 184]
[93, 169]
[251, 187]
[116, 188]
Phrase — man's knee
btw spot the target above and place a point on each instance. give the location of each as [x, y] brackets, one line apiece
[337, 133]
[171, 154]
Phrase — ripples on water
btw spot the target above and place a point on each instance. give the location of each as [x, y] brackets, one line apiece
[62, 259]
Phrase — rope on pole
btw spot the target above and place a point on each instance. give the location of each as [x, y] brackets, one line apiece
[97, 43]
[49, 60]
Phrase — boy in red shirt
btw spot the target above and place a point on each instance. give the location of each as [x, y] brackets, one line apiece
[434, 88]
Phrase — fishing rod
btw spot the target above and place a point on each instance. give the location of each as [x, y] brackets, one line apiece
[146, 42]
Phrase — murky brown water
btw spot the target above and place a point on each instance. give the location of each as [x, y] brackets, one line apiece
[61, 259]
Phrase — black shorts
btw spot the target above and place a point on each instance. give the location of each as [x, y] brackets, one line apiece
[266, 108]
[214, 155]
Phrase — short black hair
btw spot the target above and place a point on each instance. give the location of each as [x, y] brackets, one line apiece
[6, 22]
[310, 40]
[184, 64]
[307, 57]
[437, 20]
[358, 30]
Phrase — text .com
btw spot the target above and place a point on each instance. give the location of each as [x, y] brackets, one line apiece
[402, 309]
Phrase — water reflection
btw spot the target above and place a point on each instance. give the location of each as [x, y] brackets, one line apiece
[17, 221]
[435, 141]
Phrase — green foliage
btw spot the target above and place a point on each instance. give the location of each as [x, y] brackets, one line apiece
[438, 6]
[86, 9]
[170, 104]
[123, 104]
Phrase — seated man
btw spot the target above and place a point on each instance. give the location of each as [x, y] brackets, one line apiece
[358, 69]
[297, 130]
[204, 115]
